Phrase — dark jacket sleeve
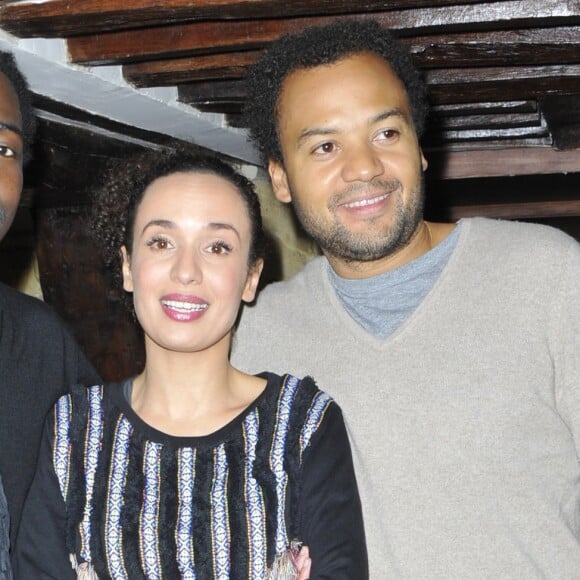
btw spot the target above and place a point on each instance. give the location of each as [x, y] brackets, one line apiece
[39, 361]
[40, 550]
[331, 522]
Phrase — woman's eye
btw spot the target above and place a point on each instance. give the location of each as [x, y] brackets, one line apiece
[219, 248]
[158, 243]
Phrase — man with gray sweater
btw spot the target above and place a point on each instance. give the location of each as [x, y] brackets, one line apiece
[453, 349]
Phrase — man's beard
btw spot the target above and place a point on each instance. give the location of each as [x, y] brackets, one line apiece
[337, 240]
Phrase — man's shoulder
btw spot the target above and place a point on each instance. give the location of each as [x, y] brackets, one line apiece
[518, 250]
[303, 281]
[29, 315]
[523, 233]
[11, 300]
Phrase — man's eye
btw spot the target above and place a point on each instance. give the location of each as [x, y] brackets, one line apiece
[388, 135]
[6, 151]
[325, 148]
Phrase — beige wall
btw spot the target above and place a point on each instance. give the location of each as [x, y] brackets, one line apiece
[292, 246]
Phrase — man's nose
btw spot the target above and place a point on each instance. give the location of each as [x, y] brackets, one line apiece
[362, 163]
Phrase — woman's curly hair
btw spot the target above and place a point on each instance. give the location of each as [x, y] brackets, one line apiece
[115, 203]
[313, 47]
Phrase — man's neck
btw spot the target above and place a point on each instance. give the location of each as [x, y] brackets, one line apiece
[425, 238]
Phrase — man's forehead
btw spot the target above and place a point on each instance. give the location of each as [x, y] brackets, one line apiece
[358, 80]
[10, 117]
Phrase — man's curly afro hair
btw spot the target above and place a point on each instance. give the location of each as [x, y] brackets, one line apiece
[11, 71]
[313, 47]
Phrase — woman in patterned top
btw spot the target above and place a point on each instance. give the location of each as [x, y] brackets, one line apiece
[192, 469]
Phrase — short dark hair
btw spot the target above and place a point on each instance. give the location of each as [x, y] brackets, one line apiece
[313, 47]
[115, 203]
[10, 70]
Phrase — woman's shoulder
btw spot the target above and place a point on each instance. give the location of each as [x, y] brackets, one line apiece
[296, 406]
[289, 389]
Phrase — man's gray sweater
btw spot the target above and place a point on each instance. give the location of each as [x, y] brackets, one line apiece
[464, 422]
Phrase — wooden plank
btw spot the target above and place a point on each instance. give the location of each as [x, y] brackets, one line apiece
[495, 134]
[528, 210]
[213, 37]
[66, 18]
[507, 83]
[208, 92]
[558, 45]
[486, 108]
[445, 85]
[490, 121]
[498, 74]
[502, 162]
[534, 46]
[169, 72]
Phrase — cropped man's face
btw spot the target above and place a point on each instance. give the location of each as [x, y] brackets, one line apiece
[11, 152]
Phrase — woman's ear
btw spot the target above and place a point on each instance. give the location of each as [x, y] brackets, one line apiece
[126, 268]
[252, 281]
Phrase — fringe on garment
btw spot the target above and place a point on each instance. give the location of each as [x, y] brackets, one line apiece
[84, 570]
[284, 565]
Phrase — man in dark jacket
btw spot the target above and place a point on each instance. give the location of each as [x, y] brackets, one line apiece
[39, 358]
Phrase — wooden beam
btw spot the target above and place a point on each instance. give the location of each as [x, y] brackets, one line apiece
[63, 18]
[445, 86]
[528, 210]
[213, 37]
[501, 83]
[66, 18]
[490, 121]
[558, 45]
[486, 108]
[532, 46]
[208, 92]
[466, 134]
[167, 72]
[502, 162]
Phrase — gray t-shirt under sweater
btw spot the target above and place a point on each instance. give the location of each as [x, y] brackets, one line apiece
[465, 421]
[382, 303]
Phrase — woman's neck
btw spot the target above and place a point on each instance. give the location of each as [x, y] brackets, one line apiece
[191, 394]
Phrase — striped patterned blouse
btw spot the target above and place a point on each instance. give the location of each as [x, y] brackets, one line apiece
[143, 504]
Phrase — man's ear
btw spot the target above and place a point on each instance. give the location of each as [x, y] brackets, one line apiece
[251, 286]
[126, 268]
[279, 181]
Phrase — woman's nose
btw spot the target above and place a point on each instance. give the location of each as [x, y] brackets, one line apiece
[187, 269]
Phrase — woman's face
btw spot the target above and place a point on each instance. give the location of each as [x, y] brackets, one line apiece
[188, 268]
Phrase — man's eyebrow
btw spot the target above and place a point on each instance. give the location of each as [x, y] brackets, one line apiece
[4, 126]
[396, 112]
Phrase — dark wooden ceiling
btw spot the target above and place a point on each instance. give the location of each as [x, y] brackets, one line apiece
[504, 76]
